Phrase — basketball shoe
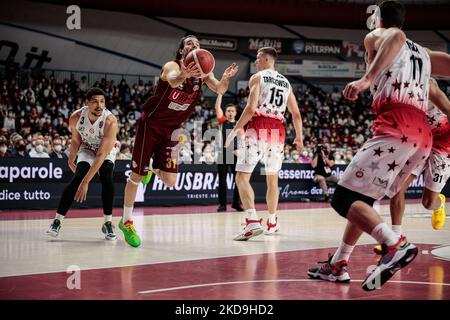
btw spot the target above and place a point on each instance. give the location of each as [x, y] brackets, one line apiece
[251, 229]
[108, 231]
[438, 216]
[393, 259]
[53, 231]
[272, 228]
[129, 232]
[327, 272]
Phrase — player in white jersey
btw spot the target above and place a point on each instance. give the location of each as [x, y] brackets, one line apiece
[270, 95]
[437, 166]
[398, 73]
[94, 131]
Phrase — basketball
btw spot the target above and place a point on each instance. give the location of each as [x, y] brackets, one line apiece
[203, 58]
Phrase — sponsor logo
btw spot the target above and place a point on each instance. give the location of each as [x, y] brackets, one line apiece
[359, 174]
[380, 182]
[255, 44]
[218, 43]
[298, 46]
[134, 164]
[196, 87]
[178, 107]
[11, 173]
[100, 125]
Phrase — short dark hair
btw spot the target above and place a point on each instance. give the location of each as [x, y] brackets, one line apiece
[230, 105]
[95, 92]
[270, 51]
[392, 14]
[181, 45]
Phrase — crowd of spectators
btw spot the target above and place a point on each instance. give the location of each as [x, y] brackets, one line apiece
[34, 116]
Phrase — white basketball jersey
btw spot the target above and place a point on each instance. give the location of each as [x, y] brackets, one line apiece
[436, 117]
[91, 133]
[273, 95]
[405, 80]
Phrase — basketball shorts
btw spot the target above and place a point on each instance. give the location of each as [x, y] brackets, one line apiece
[155, 141]
[401, 143]
[86, 155]
[263, 141]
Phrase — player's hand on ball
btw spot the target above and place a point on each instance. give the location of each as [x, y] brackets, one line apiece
[352, 89]
[191, 70]
[80, 196]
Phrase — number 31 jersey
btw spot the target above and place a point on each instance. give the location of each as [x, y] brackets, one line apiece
[273, 95]
[405, 80]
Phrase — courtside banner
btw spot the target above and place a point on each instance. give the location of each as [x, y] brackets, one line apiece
[39, 183]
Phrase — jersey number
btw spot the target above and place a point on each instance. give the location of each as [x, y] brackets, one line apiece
[437, 178]
[417, 64]
[276, 96]
[171, 163]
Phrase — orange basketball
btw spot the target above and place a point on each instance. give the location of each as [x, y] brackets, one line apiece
[203, 58]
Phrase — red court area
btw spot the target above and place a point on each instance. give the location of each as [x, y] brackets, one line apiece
[257, 277]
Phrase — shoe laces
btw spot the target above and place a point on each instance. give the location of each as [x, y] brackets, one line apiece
[129, 226]
[109, 227]
[340, 265]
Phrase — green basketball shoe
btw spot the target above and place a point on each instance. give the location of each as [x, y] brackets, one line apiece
[129, 233]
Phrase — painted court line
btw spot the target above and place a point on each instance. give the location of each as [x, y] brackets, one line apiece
[274, 280]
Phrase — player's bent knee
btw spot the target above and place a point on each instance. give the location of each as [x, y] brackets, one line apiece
[135, 178]
[169, 180]
[343, 199]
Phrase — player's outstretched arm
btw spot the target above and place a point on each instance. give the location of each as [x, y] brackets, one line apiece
[221, 86]
[250, 108]
[296, 120]
[108, 141]
[439, 98]
[218, 107]
[440, 63]
[387, 45]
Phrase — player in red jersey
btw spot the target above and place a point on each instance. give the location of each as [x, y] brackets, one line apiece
[177, 92]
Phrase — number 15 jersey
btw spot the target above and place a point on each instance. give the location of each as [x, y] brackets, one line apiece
[273, 95]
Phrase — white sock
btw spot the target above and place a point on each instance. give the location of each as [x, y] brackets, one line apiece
[397, 228]
[383, 234]
[272, 218]
[343, 253]
[60, 217]
[127, 214]
[251, 214]
[108, 217]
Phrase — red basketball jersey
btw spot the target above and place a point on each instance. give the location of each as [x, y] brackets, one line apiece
[170, 107]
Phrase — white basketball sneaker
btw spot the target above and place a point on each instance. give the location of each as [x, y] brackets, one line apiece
[272, 227]
[251, 229]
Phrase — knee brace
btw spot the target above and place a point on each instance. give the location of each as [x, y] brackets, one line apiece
[343, 199]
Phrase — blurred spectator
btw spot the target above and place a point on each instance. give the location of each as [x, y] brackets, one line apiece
[57, 149]
[338, 159]
[125, 152]
[20, 149]
[9, 121]
[304, 157]
[4, 153]
[84, 85]
[38, 150]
